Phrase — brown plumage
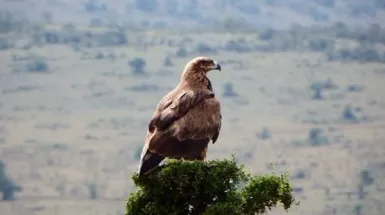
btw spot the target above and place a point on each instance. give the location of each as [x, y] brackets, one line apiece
[185, 120]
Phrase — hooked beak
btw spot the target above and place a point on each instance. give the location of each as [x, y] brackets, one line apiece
[217, 66]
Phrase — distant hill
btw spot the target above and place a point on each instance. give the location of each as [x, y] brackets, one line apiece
[165, 14]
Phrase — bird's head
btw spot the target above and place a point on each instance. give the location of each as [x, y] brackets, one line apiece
[202, 64]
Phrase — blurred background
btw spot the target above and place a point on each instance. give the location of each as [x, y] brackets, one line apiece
[302, 90]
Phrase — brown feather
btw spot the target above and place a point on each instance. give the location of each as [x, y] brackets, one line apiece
[179, 108]
[149, 162]
[185, 120]
[171, 146]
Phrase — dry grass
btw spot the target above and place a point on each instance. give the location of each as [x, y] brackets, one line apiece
[81, 124]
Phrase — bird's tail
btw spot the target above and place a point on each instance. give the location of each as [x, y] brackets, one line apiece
[148, 162]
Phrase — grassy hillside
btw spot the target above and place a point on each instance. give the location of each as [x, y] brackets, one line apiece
[75, 101]
[170, 14]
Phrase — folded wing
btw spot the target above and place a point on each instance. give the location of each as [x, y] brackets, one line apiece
[170, 136]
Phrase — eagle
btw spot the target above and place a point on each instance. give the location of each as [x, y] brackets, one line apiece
[185, 119]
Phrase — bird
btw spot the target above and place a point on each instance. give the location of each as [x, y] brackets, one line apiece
[185, 120]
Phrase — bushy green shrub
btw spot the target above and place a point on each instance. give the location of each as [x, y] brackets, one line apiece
[137, 66]
[208, 188]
